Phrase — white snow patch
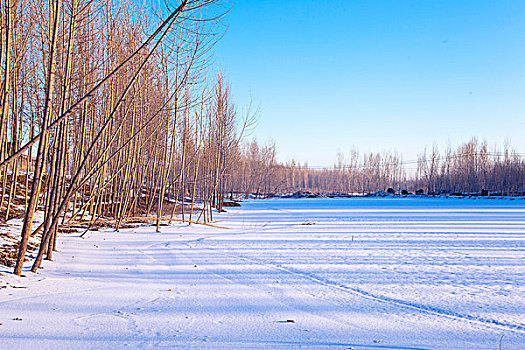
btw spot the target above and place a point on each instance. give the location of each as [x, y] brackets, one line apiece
[368, 273]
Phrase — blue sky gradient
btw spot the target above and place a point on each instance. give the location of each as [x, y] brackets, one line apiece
[378, 75]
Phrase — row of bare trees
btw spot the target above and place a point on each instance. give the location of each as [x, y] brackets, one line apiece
[470, 168]
[259, 172]
[108, 113]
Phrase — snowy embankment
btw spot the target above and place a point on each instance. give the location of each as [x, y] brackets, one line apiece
[313, 273]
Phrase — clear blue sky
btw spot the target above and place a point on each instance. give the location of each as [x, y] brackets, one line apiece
[378, 74]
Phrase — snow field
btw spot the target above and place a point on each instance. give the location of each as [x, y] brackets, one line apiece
[370, 273]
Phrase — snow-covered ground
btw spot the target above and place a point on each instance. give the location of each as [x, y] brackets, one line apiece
[369, 273]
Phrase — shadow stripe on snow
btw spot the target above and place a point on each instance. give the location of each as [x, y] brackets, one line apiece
[517, 328]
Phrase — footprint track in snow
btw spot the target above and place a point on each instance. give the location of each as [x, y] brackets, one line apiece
[516, 328]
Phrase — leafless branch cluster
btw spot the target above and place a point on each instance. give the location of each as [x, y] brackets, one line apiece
[107, 114]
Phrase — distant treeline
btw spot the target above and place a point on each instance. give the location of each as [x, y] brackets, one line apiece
[470, 168]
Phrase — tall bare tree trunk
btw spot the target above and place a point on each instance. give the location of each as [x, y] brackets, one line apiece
[42, 149]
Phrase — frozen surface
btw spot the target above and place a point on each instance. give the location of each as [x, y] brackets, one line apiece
[372, 273]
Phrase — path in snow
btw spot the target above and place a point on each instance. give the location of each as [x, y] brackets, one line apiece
[351, 273]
